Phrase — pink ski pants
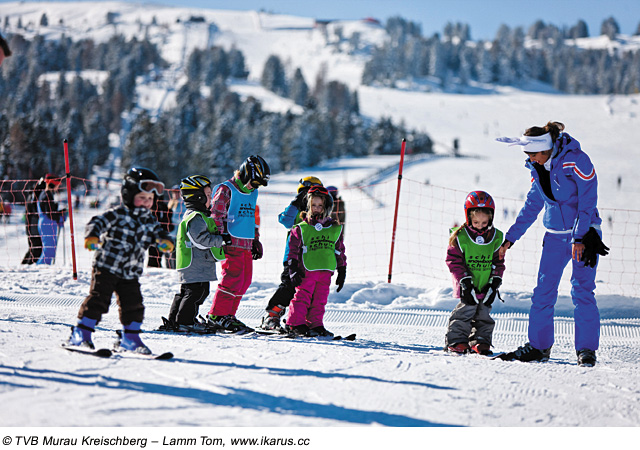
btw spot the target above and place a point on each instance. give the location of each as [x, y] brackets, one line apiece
[310, 299]
[236, 273]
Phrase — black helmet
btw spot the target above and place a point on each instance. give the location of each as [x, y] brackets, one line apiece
[139, 179]
[320, 191]
[255, 168]
[192, 190]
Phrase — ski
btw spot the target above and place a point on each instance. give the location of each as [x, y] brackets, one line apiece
[278, 335]
[159, 356]
[100, 352]
[350, 337]
[270, 332]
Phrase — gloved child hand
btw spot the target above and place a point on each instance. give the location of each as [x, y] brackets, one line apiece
[494, 284]
[256, 249]
[165, 245]
[226, 238]
[92, 243]
[342, 274]
[467, 292]
[300, 200]
[295, 273]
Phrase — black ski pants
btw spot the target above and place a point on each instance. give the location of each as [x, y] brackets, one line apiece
[184, 308]
[285, 292]
[128, 296]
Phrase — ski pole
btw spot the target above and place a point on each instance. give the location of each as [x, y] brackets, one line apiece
[70, 202]
[395, 215]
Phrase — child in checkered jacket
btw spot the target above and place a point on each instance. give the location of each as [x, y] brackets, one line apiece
[121, 236]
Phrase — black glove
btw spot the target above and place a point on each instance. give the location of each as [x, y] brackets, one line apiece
[593, 246]
[494, 284]
[300, 201]
[256, 249]
[226, 238]
[295, 273]
[467, 292]
[342, 274]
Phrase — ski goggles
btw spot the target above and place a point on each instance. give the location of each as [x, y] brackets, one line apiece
[307, 183]
[150, 186]
[318, 189]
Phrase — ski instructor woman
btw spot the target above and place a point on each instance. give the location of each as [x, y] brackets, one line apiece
[564, 182]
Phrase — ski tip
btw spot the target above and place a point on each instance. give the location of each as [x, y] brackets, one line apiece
[101, 352]
[351, 337]
[164, 356]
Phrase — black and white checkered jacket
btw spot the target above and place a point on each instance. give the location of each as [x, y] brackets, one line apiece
[125, 235]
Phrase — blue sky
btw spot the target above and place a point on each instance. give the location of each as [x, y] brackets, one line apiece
[483, 16]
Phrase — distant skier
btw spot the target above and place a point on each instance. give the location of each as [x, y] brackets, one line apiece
[121, 237]
[477, 267]
[198, 248]
[564, 182]
[316, 250]
[281, 299]
[31, 221]
[50, 219]
[234, 205]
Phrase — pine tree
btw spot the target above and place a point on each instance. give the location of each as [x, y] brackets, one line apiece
[299, 89]
[273, 76]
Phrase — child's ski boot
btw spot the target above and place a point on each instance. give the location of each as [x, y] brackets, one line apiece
[81, 333]
[271, 322]
[129, 340]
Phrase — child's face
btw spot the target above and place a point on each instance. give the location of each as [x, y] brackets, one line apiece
[479, 220]
[207, 192]
[143, 199]
[317, 205]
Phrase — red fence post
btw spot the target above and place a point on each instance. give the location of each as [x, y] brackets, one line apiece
[70, 201]
[395, 215]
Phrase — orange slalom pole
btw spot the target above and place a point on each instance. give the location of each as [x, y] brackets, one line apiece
[395, 215]
[70, 202]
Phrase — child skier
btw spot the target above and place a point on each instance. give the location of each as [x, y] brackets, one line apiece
[289, 217]
[234, 206]
[477, 268]
[198, 248]
[316, 249]
[50, 219]
[121, 236]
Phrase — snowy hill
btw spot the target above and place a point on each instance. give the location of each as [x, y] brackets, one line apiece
[395, 374]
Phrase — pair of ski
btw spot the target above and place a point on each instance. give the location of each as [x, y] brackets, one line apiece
[285, 335]
[106, 353]
[490, 356]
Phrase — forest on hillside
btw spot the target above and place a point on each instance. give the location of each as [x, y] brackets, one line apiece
[48, 94]
[545, 53]
[210, 130]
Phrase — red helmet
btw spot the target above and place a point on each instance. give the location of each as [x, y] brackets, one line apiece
[479, 200]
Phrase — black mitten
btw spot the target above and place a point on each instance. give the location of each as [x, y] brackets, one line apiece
[300, 201]
[593, 246]
[494, 284]
[467, 293]
[342, 274]
[256, 249]
[295, 273]
[226, 238]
